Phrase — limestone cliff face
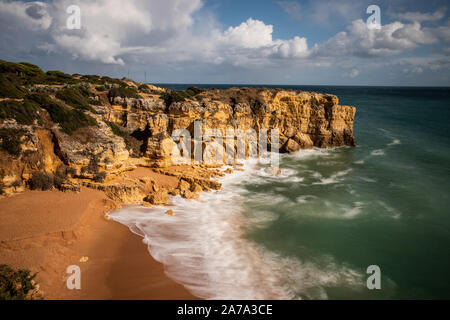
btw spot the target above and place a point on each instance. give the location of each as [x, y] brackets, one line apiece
[143, 130]
[303, 119]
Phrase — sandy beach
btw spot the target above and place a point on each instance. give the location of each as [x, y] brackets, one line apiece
[46, 231]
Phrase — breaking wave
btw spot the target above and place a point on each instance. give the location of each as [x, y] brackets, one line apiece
[203, 246]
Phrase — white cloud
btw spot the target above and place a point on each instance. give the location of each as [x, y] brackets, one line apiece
[354, 73]
[391, 39]
[257, 36]
[31, 15]
[292, 8]
[421, 17]
[294, 48]
[109, 28]
[175, 35]
[249, 34]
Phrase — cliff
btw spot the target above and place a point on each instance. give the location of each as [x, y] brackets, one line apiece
[90, 130]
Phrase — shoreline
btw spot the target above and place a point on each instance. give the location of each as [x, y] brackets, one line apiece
[46, 231]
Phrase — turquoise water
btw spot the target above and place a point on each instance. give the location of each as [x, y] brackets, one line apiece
[390, 206]
[312, 232]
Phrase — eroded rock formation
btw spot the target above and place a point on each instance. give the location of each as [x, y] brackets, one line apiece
[121, 126]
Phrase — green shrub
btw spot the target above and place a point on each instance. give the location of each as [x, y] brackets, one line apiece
[91, 78]
[69, 119]
[100, 88]
[23, 69]
[10, 87]
[193, 91]
[130, 142]
[10, 141]
[24, 73]
[76, 97]
[23, 112]
[41, 181]
[116, 129]
[58, 77]
[143, 87]
[16, 285]
[172, 96]
[123, 92]
[94, 102]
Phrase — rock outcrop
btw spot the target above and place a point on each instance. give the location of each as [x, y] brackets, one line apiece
[303, 119]
[85, 134]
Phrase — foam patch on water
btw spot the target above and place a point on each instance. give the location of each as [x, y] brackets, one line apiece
[306, 198]
[378, 152]
[394, 142]
[334, 178]
[313, 153]
[392, 212]
[203, 246]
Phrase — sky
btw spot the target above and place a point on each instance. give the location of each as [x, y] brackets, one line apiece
[291, 42]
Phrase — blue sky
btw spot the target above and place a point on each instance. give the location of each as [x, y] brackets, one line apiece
[319, 42]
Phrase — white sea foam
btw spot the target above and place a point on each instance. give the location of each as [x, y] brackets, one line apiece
[367, 179]
[313, 153]
[394, 213]
[305, 198]
[334, 178]
[378, 152]
[204, 248]
[394, 142]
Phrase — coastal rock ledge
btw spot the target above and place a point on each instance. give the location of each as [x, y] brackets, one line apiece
[71, 131]
[303, 119]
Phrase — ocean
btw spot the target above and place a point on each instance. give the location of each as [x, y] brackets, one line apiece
[311, 232]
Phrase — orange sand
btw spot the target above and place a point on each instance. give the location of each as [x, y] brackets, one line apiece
[46, 231]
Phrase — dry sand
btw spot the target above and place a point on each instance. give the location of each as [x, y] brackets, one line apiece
[46, 231]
